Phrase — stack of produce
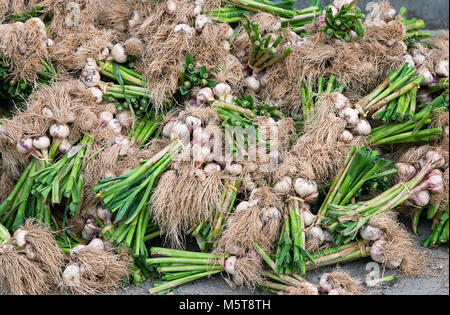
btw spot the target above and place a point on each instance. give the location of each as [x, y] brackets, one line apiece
[276, 140]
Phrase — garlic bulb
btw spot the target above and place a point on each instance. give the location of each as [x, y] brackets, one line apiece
[370, 233]
[59, 131]
[24, 146]
[97, 94]
[340, 101]
[428, 77]
[221, 90]
[179, 130]
[19, 237]
[243, 206]
[64, 146]
[204, 95]
[167, 130]
[90, 76]
[324, 284]
[362, 128]
[308, 217]
[71, 274]
[316, 233]
[421, 198]
[418, 58]
[306, 189]
[234, 169]
[74, 251]
[441, 68]
[104, 215]
[409, 59]
[346, 136]
[118, 53]
[377, 251]
[184, 28]
[230, 265]
[41, 143]
[350, 115]
[47, 112]
[115, 126]
[125, 119]
[394, 263]
[96, 243]
[200, 22]
[283, 186]
[252, 83]
[171, 7]
[270, 213]
[405, 171]
[211, 168]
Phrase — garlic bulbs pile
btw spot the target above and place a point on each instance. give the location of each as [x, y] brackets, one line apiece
[356, 125]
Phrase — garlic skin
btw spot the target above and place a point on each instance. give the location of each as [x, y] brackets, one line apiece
[441, 68]
[252, 83]
[405, 171]
[193, 122]
[104, 215]
[363, 128]
[204, 95]
[284, 186]
[125, 119]
[370, 233]
[377, 251]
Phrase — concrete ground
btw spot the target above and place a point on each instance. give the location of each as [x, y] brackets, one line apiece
[436, 283]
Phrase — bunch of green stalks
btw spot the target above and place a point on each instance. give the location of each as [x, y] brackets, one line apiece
[275, 281]
[190, 76]
[208, 233]
[177, 267]
[302, 17]
[410, 131]
[14, 92]
[311, 97]
[412, 26]
[263, 53]
[260, 109]
[280, 9]
[145, 129]
[128, 197]
[340, 25]
[233, 116]
[62, 181]
[137, 96]
[22, 203]
[339, 254]
[291, 256]
[440, 222]
[395, 97]
[228, 14]
[344, 219]
[360, 166]
[23, 16]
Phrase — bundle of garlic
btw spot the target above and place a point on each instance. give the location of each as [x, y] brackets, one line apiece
[95, 269]
[31, 261]
[347, 220]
